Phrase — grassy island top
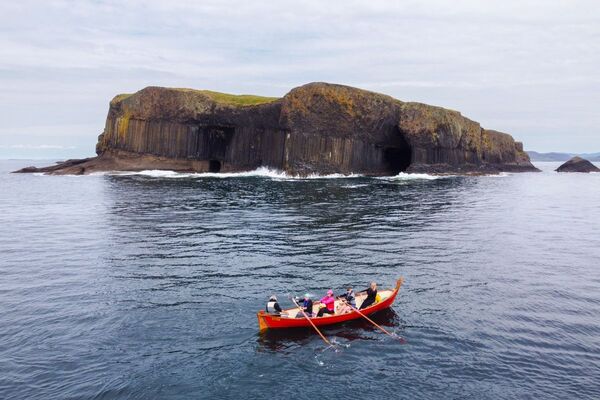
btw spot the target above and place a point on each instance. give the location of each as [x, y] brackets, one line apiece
[237, 99]
[218, 97]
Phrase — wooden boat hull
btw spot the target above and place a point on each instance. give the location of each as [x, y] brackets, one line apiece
[270, 321]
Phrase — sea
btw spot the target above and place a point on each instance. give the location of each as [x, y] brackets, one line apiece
[146, 285]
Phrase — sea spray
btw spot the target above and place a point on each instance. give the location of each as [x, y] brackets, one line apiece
[261, 172]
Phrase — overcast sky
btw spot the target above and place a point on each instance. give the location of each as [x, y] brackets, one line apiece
[529, 68]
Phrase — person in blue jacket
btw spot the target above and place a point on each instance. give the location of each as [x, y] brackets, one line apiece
[307, 306]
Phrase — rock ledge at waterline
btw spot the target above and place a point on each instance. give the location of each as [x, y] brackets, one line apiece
[318, 128]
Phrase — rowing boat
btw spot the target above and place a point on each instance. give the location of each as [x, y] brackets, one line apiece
[293, 318]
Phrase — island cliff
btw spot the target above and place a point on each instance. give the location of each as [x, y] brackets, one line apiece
[316, 128]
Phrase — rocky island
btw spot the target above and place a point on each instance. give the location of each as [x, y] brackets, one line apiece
[578, 164]
[316, 128]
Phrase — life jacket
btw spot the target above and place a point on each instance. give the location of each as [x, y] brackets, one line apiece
[270, 308]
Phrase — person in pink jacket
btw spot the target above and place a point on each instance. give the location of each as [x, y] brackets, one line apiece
[329, 302]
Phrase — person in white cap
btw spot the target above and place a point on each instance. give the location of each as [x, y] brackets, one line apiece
[307, 305]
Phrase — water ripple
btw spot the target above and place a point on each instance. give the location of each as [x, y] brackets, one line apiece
[146, 286]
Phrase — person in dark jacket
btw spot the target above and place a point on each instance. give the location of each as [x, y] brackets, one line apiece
[371, 296]
[349, 297]
[307, 306]
[272, 306]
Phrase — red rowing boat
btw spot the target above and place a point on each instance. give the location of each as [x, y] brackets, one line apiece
[293, 318]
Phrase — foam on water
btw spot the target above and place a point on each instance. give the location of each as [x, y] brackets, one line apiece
[261, 172]
[269, 173]
[264, 172]
[498, 175]
[355, 186]
[403, 176]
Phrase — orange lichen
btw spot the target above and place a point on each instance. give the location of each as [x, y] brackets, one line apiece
[123, 124]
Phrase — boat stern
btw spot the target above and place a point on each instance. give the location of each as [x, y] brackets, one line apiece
[262, 323]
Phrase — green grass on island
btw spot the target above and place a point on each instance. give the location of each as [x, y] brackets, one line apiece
[238, 99]
[221, 98]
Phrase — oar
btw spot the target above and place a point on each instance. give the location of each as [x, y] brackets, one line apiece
[313, 325]
[373, 322]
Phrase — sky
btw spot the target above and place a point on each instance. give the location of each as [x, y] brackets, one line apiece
[528, 68]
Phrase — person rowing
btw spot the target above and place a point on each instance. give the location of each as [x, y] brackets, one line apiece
[349, 296]
[347, 303]
[307, 306]
[329, 302]
[371, 296]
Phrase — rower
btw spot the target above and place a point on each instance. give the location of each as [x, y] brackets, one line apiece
[307, 306]
[348, 302]
[349, 297]
[371, 296]
[329, 302]
[273, 306]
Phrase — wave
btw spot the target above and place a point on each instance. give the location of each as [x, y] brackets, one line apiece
[265, 172]
[261, 172]
[498, 175]
[403, 176]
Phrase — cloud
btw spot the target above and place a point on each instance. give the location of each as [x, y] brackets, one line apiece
[61, 61]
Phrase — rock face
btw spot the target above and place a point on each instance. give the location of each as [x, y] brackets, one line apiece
[316, 128]
[578, 164]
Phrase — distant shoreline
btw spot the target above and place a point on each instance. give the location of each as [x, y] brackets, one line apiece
[557, 156]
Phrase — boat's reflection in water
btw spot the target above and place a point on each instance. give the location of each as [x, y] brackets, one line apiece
[360, 329]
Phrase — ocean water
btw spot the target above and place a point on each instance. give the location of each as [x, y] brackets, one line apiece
[146, 285]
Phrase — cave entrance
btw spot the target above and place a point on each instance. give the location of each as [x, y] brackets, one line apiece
[397, 159]
[214, 166]
[397, 155]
